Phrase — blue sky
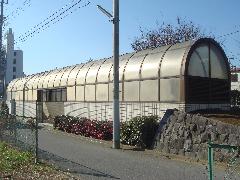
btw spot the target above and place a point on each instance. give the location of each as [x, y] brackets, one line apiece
[87, 33]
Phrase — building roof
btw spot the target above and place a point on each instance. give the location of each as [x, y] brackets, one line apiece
[163, 62]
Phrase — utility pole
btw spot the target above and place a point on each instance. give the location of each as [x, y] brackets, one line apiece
[1, 46]
[116, 117]
[1, 26]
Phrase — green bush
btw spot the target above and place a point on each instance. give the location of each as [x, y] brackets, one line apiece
[139, 131]
[235, 97]
[3, 109]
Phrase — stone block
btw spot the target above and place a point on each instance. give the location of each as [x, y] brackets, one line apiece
[181, 152]
[223, 138]
[232, 139]
[188, 145]
[176, 127]
[173, 119]
[166, 148]
[189, 118]
[181, 117]
[204, 137]
[233, 129]
[222, 128]
[202, 155]
[196, 139]
[195, 148]
[181, 131]
[191, 154]
[215, 136]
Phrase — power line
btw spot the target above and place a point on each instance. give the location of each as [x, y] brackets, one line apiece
[229, 34]
[52, 15]
[52, 19]
[18, 10]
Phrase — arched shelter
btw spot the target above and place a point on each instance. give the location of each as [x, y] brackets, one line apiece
[189, 76]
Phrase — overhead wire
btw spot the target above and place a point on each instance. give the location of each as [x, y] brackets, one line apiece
[52, 19]
[18, 10]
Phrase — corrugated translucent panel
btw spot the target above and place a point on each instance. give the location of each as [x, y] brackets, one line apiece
[80, 93]
[218, 64]
[65, 76]
[17, 95]
[131, 91]
[90, 93]
[11, 84]
[34, 95]
[102, 92]
[30, 97]
[170, 90]
[171, 64]
[26, 95]
[104, 71]
[151, 63]
[92, 72]
[52, 77]
[71, 93]
[73, 75]
[20, 95]
[134, 64]
[46, 79]
[59, 76]
[81, 77]
[122, 62]
[111, 92]
[149, 90]
[13, 95]
[39, 80]
[30, 82]
[20, 84]
[199, 62]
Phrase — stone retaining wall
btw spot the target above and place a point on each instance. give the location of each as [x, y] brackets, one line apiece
[188, 134]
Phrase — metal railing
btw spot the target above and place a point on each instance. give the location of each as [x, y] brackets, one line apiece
[230, 156]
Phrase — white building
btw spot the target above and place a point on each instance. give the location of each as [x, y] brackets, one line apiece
[235, 79]
[14, 59]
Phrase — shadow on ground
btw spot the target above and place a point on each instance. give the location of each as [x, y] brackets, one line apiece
[70, 166]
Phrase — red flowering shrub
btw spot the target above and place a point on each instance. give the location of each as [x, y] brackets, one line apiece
[84, 127]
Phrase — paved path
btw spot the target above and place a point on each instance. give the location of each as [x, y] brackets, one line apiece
[91, 160]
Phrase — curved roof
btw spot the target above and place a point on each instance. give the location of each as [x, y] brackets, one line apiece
[182, 59]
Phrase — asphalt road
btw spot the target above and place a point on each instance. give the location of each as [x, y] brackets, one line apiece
[91, 160]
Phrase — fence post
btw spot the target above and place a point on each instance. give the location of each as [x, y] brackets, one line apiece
[210, 161]
[13, 107]
[13, 120]
[38, 119]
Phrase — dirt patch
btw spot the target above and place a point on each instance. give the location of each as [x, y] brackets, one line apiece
[226, 118]
[39, 171]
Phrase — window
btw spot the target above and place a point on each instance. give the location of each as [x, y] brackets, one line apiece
[15, 53]
[14, 76]
[14, 61]
[234, 77]
[14, 69]
[55, 95]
